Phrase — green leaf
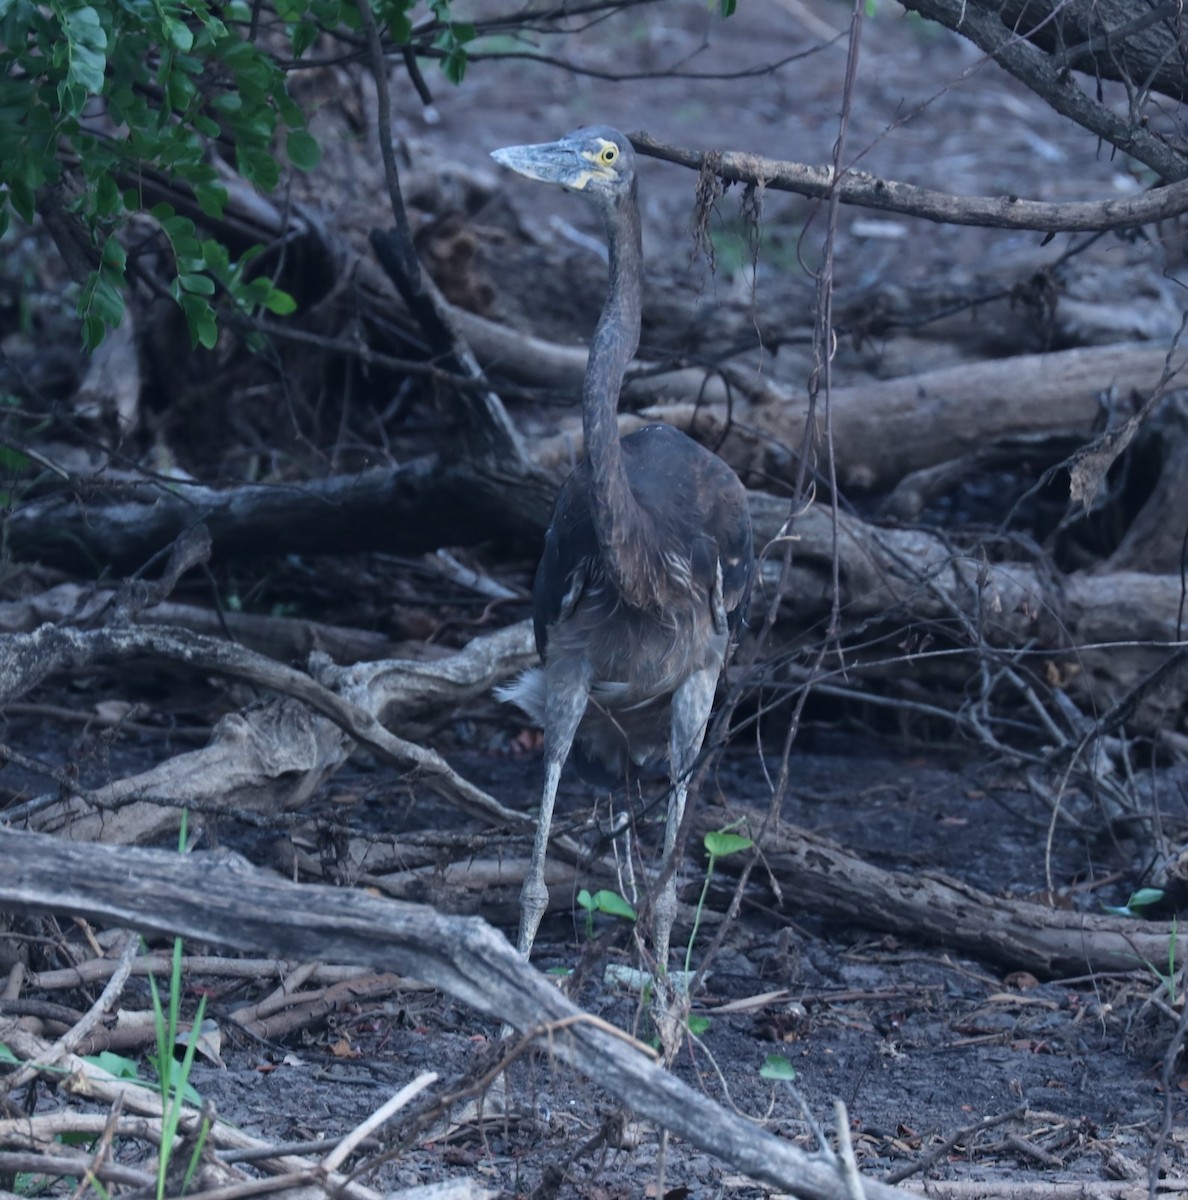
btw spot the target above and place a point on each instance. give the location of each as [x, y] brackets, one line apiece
[76, 1139]
[453, 65]
[201, 285]
[401, 29]
[107, 195]
[258, 167]
[101, 304]
[697, 1025]
[776, 1066]
[7, 1056]
[114, 1064]
[280, 303]
[719, 844]
[214, 255]
[302, 37]
[86, 43]
[211, 197]
[607, 902]
[13, 460]
[177, 1079]
[303, 150]
[1140, 899]
[115, 257]
[21, 197]
[179, 34]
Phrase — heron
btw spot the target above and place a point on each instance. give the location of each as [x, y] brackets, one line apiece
[647, 563]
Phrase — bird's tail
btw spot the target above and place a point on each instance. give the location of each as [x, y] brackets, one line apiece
[526, 692]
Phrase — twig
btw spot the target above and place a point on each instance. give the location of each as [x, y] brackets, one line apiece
[71, 1038]
[1031, 1150]
[97, 1085]
[101, 1150]
[847, 1164]
[409, 1092]
[396, 251]
[960, 1135]
[73, 1165]
[284, 995]
[1030, 65]
[201, 896]
[95, 969]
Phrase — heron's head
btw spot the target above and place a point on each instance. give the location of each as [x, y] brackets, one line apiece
[598, 162]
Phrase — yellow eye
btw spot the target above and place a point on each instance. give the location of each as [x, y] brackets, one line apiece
[608, 155]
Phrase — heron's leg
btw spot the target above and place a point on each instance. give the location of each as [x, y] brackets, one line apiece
[564, 707]
[691, 704]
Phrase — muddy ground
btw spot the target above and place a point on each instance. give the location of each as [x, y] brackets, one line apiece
[918, 1043]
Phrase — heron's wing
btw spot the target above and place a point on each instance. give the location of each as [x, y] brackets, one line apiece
[737, 554]
[570, 545]
[720, 520]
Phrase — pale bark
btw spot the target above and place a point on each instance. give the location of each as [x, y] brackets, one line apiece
[220, 899]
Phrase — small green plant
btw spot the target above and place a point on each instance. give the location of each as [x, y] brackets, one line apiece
[173, 1078]
[778, 1068]
[719, 843]
[610, 904]
[1141, 900]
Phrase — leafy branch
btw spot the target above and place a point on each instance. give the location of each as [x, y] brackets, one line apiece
[95, 97]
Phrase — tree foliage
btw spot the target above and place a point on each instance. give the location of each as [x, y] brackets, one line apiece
[98, 97]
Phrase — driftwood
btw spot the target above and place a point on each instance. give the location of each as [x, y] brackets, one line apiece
[883, 432]
[887, 430]
[915, 575]
[271, 757]
[416, 507]
[819, 876]
[1104, 633]
[284, 638]
[1048, 77]
[813, 874]
[218, 899]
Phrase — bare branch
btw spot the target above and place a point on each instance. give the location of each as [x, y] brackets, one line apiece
[870, 191]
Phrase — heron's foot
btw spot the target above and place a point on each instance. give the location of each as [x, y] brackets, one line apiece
[534, 902]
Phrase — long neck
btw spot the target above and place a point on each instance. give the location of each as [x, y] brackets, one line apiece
[618, 521]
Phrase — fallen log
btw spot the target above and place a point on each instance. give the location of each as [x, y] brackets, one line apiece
[1102, 634]
[414, 508]
[283, 638]
[885, 430]
[218, 898]
[819, 876]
